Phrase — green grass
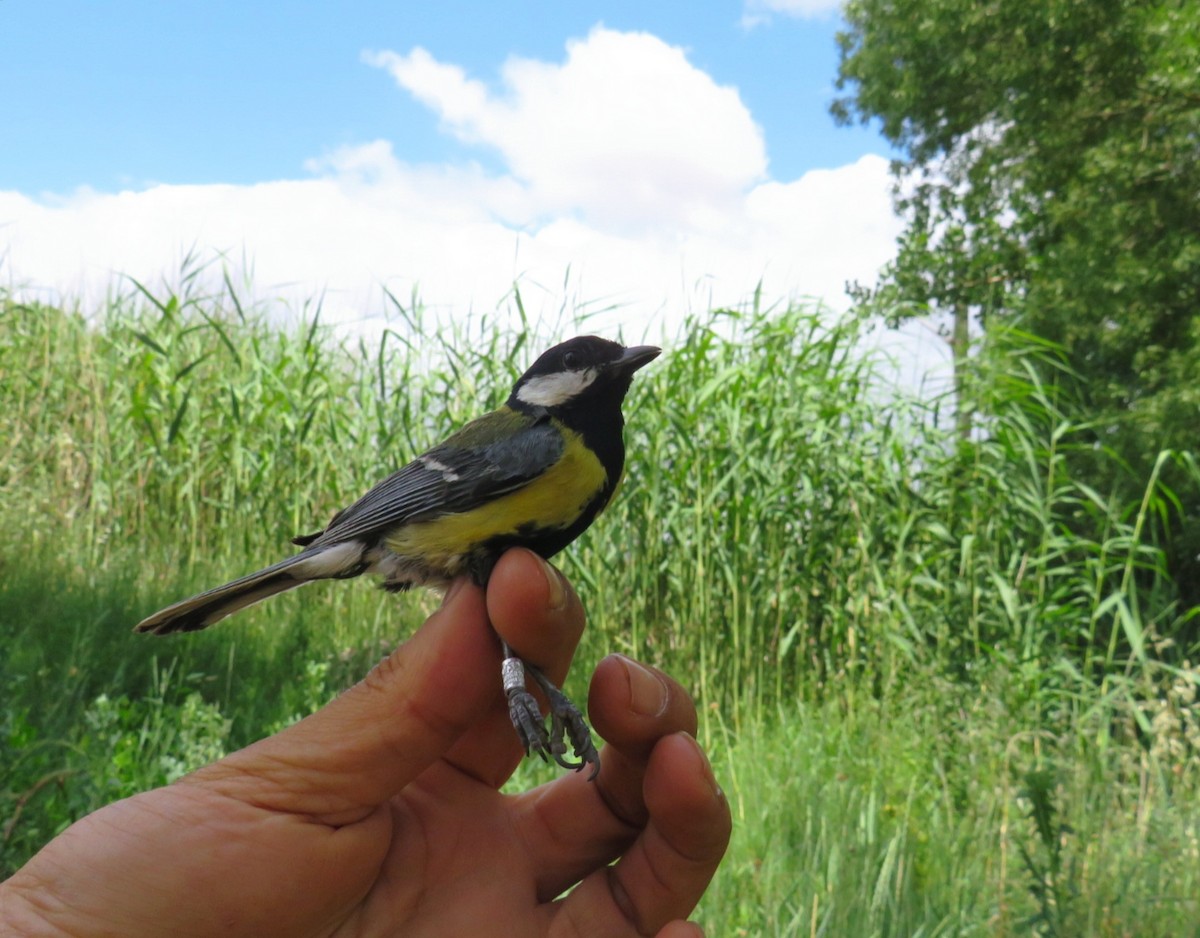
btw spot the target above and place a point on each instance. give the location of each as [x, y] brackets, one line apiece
[947, 686]
[875, 820]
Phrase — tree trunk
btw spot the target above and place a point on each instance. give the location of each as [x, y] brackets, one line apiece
[960, 344]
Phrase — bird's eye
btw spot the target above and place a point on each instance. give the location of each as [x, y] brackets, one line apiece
[571, 361]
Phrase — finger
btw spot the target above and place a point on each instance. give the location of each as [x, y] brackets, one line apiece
[635, 706]
[661, 877]
[571, 826]
[535, 609]
[374, 739]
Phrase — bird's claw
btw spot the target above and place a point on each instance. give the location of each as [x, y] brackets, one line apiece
[527, 721]
[566, 722]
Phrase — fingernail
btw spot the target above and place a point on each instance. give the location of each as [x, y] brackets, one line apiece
[647, 692]
[705, 766]
[558, 593]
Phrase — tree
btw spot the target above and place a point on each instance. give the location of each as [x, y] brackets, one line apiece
[1051, 171]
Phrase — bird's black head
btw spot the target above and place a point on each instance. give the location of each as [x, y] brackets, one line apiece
[581, 375]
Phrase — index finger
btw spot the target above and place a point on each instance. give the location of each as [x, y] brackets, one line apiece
[438, 694]
[356, 752]
[533, 607]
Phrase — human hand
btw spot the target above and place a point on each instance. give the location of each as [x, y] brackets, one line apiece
[380, 814]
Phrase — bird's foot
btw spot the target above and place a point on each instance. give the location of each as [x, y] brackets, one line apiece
[566, 722]
[523, 711]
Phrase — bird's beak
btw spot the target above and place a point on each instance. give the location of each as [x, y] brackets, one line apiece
[636, 356]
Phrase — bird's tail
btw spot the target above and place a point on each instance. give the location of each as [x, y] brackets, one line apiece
[213, 605]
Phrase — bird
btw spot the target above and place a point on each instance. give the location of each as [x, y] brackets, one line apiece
[533, 473]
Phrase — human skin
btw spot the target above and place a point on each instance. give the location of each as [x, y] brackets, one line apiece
[381, 815]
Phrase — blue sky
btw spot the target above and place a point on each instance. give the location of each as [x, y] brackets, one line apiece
[119, 94]
[651, 158]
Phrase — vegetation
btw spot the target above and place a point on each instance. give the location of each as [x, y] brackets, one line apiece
[1050, 160]
[945, 682]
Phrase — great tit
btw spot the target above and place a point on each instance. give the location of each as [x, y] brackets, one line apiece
[534, 473]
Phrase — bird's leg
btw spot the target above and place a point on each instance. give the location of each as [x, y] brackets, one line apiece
[566, 720]
[522, 708]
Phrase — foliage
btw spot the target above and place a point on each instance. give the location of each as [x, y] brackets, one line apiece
[1050, 173]
[936, 813]
[119, 747]
[887, 629]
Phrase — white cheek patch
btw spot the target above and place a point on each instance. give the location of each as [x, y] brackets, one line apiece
[553, 390]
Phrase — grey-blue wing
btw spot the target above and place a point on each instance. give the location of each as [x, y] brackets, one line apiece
[475, 465]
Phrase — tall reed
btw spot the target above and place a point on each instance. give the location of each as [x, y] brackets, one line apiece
[896, 638]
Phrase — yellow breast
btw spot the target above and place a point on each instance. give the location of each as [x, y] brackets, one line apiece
[555, 499]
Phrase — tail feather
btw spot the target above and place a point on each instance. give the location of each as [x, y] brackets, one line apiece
[204, 609]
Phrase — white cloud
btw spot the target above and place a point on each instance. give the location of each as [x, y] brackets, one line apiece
[759, 11]
[624, 132]
[626, 166]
